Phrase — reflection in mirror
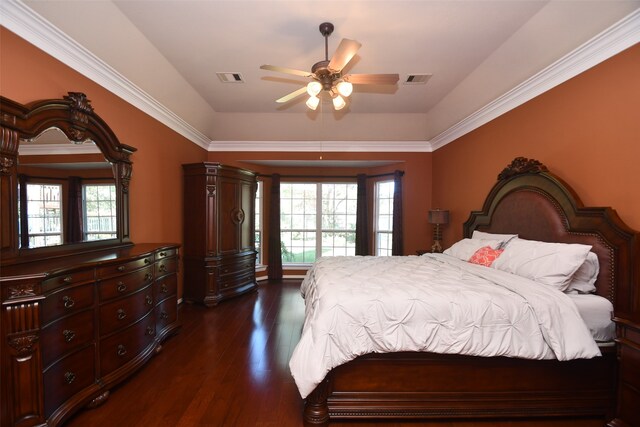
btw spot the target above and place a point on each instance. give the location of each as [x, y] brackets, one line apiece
[66, 192]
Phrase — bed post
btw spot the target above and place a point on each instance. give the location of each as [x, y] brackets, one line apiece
[316, 411]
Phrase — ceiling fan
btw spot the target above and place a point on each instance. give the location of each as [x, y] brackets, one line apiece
[327, 74]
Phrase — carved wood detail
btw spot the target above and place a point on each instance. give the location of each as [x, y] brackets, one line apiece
[521, 165]
[22, 290]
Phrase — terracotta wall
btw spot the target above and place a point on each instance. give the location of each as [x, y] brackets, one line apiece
[28, 74]
[586, 130]
[416, 183]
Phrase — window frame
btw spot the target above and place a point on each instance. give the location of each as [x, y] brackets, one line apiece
[42, 183]
[318, 230]
[377, 231]
[85, 232]
[258, 228]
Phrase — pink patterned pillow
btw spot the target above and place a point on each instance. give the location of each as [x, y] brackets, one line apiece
[485, 256]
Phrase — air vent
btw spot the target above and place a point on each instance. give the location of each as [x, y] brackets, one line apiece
[230, 77]
[417, 79]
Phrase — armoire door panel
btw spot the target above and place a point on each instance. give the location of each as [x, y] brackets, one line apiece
[228, 269]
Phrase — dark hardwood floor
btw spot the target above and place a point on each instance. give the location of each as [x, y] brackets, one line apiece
[228, 366]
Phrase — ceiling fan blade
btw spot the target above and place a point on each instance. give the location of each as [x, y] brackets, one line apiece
[286, 70]
[292, 95]
[343, 54]
[372, 79]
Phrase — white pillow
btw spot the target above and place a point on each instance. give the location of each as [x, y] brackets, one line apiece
[551, 264]
[465, 248]
[584, 279]
[505, 238]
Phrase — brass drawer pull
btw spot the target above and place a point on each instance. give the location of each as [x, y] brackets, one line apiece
[162, 268]
[67, 279]
[121, 350]
[164, 288]
[69, 377]
[151, 331]
[68, 302]
[147, 277]
[121, 287]
[148, 299]
[120, 314]
[121, 268]
[164, 315]
[69, 335]
[146, 261]
[163, 254]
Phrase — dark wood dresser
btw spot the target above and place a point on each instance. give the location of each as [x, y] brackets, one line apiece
[219, 243]
[75, 326]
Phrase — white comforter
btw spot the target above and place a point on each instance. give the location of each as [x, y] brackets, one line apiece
[433, 303]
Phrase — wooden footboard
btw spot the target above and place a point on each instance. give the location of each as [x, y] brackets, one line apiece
[428, 386]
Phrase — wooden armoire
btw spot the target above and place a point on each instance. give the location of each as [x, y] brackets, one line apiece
[219, 240]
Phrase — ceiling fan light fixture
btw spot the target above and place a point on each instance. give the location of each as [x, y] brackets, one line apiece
[313, 102]
[338, 102]
[314, 88]
[344, 88]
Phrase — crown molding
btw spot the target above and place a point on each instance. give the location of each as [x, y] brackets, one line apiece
[52, 149]
[620, 36]
[324, 146]
[26, 23]
[29, 25]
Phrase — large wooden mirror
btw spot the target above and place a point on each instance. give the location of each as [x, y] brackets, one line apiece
[65, 179]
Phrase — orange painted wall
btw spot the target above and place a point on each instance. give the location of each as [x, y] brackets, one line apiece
[586, 130]
[28, 74]
[416, 182]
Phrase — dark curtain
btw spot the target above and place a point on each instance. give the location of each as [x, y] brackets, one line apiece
[275, 243]
[74, 227]
[362, 223]
[24, 226]
[397, 244]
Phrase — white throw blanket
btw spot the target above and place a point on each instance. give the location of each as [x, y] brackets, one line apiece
[433, 303]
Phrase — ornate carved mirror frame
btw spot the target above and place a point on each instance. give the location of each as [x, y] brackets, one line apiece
[75, 117]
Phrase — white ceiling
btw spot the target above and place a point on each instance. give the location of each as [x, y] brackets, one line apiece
[477, 52]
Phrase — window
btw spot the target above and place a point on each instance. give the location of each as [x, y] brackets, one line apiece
[99, 210]
[258, 224]
[44, 221]
[317, 219]
[383, 218]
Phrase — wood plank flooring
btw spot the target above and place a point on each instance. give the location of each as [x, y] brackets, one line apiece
[228, 366]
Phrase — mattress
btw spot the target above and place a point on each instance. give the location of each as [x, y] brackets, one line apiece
[361, 305]
[596, 312]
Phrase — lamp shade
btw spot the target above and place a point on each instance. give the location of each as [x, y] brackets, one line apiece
[344, 88]
[313, 102]
[438, 216]
[338, 102]
[314, 88]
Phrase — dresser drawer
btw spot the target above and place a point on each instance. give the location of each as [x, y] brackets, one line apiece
[233, 281]
[67, 377]
[165, 287]
[73, 278]
[166, 253]
[123, 312]
[124, 267]
[240, 267]
[166, 266]
[65, 335]
[118, 349]
[125, 284]
[167, 312]
[66, 301]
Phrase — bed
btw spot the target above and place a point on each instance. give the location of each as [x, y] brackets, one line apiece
[531, 202]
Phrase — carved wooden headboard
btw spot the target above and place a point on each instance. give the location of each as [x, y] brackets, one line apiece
[530, 201]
